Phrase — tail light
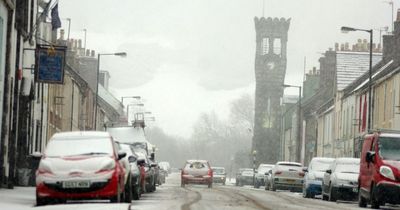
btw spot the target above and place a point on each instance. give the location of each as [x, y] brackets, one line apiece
[184, 172]
[301, 174]
[210, 173]
[278, 172]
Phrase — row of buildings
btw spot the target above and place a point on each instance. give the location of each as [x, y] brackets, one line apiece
[334, 105]
[32, 111]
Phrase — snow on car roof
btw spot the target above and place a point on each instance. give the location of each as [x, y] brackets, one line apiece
[80, 134]
[266, 165]
[348, 160]
[128, 134]
[218, 168]
[323, 159]
[201, 161]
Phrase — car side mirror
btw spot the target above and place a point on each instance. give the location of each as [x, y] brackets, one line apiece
[305, 169]
[36, 155]
[132, 159]
[369, 157]
[270, 171]
[153, 165]
[329, 171]
[121, 155]
[266, 173]
[141, 162]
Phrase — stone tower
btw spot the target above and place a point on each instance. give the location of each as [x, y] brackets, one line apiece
[270, 69]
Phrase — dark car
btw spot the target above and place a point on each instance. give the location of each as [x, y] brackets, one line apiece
[150, 173]
[246, 177]
[135, 176]
[219, 175]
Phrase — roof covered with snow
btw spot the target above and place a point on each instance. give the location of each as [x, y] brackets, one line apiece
[351, 65]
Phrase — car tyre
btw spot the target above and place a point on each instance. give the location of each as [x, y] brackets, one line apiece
[128, 191]
[256, 185]
[362, 202]
[306, 193]
[332, 194]
[374, 201]
[41, 201]
[272, 187]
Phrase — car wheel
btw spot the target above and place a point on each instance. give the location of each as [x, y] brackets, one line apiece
[256, 185]
[332, 194]
[41, 201]
[374, 201]
[128, 191]
[362, 202]
[273, 188]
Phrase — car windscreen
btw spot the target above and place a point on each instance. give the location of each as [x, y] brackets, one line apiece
[352, 168]
[264, 169]
[247, 173]
[79, 146]
[218, 170]
[389, 148]
[320, 165]
[289, 166]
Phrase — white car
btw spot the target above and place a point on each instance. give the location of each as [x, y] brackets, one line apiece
[314, 176]
[341, 179]
[287, 176]
[261, 174]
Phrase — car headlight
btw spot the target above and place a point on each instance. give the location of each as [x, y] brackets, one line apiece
[44, 168]
[387, 172]
[108, 166]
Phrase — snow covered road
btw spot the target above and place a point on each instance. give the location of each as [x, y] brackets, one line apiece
[171, 196]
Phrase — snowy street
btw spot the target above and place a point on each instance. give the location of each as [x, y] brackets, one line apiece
[171, 196]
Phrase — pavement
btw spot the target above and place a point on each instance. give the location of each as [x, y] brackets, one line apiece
[171, 196]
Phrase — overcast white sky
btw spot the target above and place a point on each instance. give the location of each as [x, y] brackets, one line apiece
[190, 56]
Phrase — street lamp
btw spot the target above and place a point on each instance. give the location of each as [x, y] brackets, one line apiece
[345, 29]
[254, 166]
[298, 149]
[121, 54]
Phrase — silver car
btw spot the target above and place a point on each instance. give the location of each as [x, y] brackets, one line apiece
[287, 176]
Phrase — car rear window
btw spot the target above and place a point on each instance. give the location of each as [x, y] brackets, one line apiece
[196, 165]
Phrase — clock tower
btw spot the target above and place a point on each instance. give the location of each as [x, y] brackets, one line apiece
[270, 69]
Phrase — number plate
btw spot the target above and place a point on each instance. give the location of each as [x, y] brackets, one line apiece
[355, 189]
[76, 184]
[290, 180]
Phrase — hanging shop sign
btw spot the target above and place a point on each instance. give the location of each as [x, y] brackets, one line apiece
[50, 61]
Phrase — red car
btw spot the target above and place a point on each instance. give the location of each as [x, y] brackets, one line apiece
[80, 165]
[197, 172]
[379, 179]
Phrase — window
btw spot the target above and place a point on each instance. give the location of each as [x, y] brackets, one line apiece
[277, 46]
[265, 46]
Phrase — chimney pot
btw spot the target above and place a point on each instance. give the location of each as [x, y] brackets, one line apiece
[87, 52]
[93, 53]
[80, 43]
[336, 46]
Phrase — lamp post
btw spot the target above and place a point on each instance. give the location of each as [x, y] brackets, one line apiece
[254, 165]
[121, 54]
[345, 29]
[298, 149]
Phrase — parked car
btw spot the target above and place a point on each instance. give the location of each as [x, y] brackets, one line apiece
[246, 177]
[260, 174]
[315, 175]
[197, 172]
[165, 166]
[379, 179]
[135, 175]
[340, 180]
[268, 178]
[287, 176]
[219, 175]
[149, 170]
[128, 195]
[238, 174]
[80, 165]
[162, 175]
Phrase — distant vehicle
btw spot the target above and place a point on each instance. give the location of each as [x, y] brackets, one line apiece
[287, 176]
[80, 165]
[267, 178]
[261, 173]
[219, 175]
[314, 176]
[238, 174]
[246, 177]
[340, 180]
[128, 177]
[135, 175]
[197, 172]
[150, 173]
[379, 179]
[165, 166]
[162, 175]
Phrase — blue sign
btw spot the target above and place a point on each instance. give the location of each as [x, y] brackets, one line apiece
[50, 64]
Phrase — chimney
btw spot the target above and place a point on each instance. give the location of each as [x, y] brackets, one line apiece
[396, 29]
[92, 54]
[62, 34]
[341, 47]
[75, 44]
[87, 52]
[346, 46]
[336, 46]
[314, 70]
